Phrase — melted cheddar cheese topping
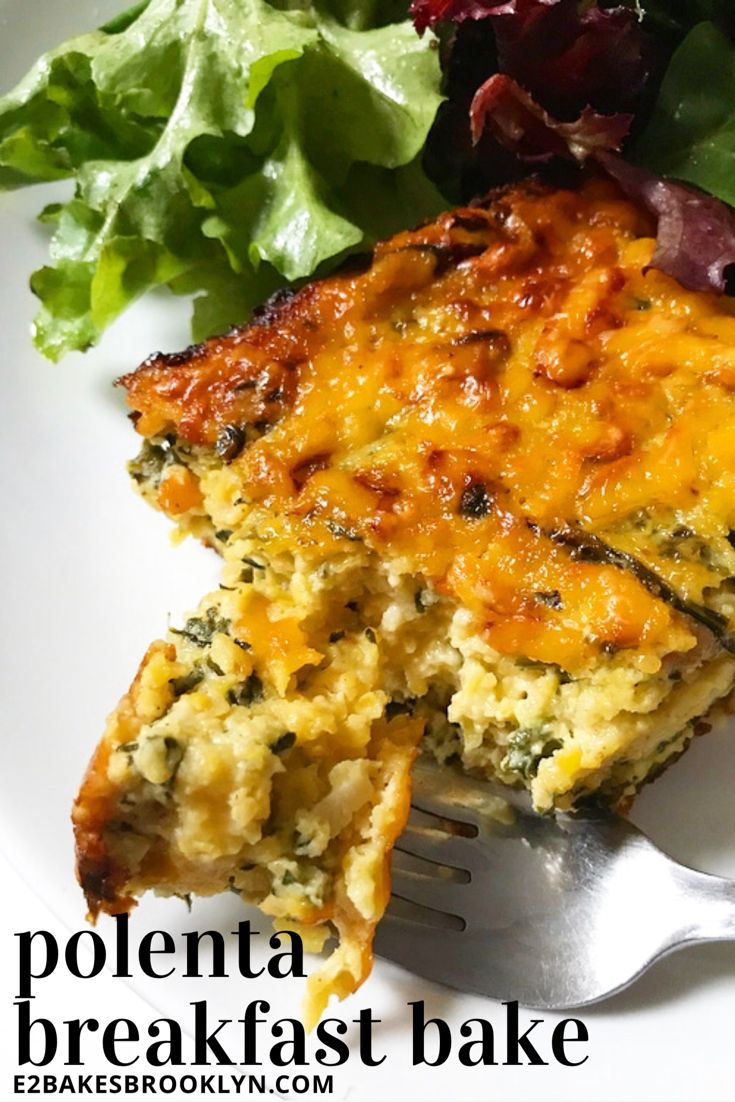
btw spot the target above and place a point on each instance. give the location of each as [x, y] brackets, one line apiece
[492, 381]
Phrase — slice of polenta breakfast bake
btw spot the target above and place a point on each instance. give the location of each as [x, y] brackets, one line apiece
[474, 495]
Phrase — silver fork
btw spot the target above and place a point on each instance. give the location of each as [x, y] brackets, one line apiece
[555, 912]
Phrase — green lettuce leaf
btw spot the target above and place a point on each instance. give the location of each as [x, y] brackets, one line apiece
[691, 133]
[215, 147]
[676, 17]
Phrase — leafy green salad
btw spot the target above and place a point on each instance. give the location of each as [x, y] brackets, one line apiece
[225, 148]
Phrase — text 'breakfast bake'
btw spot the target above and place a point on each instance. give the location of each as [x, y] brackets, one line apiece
[478, 492]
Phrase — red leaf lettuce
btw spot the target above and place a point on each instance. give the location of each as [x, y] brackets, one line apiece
[695, 241]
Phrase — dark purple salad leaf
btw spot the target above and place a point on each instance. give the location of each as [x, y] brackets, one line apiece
[567, 57]
[695, 240]
[570, 59]
[524, 127]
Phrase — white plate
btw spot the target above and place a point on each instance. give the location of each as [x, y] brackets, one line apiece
[89, 579]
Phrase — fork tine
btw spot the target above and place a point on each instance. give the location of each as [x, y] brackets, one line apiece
[433, 803]
[436, 846]
[434, 892]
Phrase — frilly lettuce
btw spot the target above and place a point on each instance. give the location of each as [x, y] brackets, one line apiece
[220, 147]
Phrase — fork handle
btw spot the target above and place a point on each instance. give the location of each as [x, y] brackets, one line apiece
[707, 906]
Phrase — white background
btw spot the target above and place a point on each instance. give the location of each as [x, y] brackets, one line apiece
[88, 580]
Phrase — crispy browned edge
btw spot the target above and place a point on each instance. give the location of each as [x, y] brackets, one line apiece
[101, 880]
[276, 310]
[286, 304]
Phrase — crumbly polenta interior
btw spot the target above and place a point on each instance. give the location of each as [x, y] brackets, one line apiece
[478, 499]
